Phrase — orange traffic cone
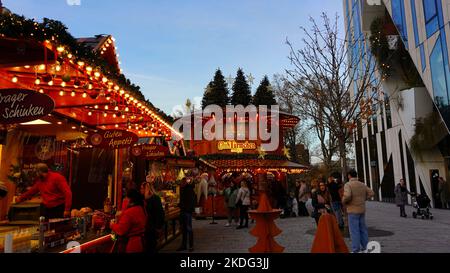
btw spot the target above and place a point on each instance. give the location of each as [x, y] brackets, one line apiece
[328, 237]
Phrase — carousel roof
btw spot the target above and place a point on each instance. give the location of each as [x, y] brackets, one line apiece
[255, 164]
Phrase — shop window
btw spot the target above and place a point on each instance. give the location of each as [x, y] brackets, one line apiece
[411, 170]
[366, 164]
[388, 183]
[402, 158]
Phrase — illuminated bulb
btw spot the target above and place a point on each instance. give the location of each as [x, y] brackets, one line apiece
[60, 49]
[126, 109]
[41, 91]
[122, 92]
[105, 114]
[42, 67]
[14, 79]
[88, 69]
[84, 95]
[117, 125]
[63, 84]
[126, 95]
[50, 83]
[37, 81]
[61, 93]
[97, 74]
[116, 88]
[106, 107]
[108, 98]
[69, 56]
[104, 79]
[73, 93]
[27, 66]
[58, 68]
[85, 132]
[80, 63]
[123, 116]
[73, 127]
[59, 122]
[114, 116]
[96, 106]
[90, 86]
[116, 108]
[89, 113]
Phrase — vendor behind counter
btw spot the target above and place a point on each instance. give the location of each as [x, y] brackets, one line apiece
[55, 192]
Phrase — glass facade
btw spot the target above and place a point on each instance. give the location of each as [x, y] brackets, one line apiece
[414, 20]
[422, 57]
[440, 76]
[434, 20]
[398, 16]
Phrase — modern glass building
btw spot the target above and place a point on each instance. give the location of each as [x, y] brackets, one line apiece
[407, 136]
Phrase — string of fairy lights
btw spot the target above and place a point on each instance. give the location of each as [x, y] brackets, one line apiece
[90, 80]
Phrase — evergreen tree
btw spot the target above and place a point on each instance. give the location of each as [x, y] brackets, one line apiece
[207, 96]
[241, 90]
[264, 94]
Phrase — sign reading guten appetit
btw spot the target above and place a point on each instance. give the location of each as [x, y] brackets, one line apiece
[22, 105]
[112, 139]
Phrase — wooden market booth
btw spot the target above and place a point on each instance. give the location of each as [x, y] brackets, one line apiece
[63, 101]
[245, 157]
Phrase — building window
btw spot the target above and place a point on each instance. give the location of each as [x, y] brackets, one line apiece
[366, 164]
[432, 10]
[440, 75]
[402, 158]
[422, 57]
[411, 170]
[398, 16]
[387, 107]
[414, 20]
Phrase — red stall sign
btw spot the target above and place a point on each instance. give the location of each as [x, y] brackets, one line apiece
[112, 139]
[150, 151]
[22, 105]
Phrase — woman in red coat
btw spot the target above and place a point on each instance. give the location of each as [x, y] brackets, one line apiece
[131, 225]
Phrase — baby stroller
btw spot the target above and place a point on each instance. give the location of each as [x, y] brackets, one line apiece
[422, 204]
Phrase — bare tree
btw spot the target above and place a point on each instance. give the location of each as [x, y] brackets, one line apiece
[335, 83]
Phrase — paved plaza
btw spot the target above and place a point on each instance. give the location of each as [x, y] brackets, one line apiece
[395, 234]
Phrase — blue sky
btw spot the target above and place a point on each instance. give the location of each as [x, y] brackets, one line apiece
[172, 48]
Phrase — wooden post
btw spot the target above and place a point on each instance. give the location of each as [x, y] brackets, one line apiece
[116, 182]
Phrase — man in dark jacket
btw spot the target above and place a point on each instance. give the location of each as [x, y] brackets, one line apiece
[187, 207]
[334, 187]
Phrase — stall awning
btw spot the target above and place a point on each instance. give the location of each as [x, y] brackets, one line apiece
[264, 164]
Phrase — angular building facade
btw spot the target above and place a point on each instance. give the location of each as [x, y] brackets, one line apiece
[407, 134]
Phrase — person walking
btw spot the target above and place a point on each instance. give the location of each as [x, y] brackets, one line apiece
[131, 225]
[243, 202]
[355, 196]
[443, 193]
[401, 197]
[230, 195]
[334, 187]
[321, 201]
[187, 207]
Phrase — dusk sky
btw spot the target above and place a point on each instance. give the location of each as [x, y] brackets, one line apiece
[173, 48]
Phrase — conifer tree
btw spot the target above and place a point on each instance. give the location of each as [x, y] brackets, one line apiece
[264, 94]
[241, 90]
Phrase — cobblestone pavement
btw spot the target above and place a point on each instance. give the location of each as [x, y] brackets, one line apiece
[395, 234]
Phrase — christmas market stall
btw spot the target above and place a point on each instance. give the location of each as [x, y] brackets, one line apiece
[65, 103]
[243, 159]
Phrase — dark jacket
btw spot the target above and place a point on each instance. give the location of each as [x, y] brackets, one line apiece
[155, 213]
[334, 188]
[187, 198]
[401, 195]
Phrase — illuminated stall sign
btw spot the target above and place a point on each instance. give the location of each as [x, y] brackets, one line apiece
[150, 151]
[112, 139]
[236, 147]
[22, 105]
